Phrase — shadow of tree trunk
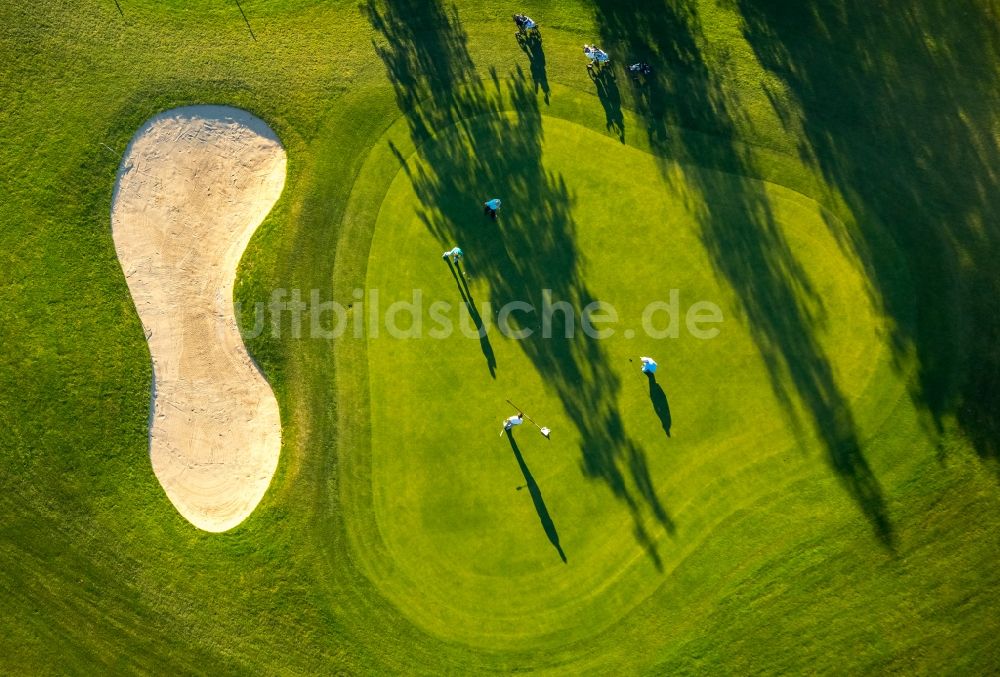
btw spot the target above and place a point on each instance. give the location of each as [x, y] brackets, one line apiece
[487, 141]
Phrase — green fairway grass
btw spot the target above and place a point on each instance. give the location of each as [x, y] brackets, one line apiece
[444, 487]
[827, 499]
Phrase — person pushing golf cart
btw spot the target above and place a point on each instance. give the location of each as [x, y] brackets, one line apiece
[596, 56]
[642, 68]
[525, 24]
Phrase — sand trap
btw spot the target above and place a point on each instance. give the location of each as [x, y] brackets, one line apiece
[193, 186]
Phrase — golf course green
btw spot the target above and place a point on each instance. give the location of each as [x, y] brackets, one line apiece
[794, 214]
[443, 502]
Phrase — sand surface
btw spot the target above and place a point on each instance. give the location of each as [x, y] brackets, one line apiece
[193, 186]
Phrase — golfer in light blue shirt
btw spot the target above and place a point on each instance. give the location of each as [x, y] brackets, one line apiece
[455, 253]
[491, 206]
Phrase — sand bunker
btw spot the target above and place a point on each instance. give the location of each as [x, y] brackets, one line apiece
[193, 186]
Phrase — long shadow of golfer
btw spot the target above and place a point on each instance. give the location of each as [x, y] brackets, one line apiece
[470, 304]
[531, 44]
[611, 99]
[536, 498]
[660, 404]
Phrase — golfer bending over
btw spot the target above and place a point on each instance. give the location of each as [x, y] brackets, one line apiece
[511, 421]
[490, 207]
[455, 253]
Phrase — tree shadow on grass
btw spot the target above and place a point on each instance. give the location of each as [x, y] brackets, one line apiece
[899, 112]
[738, 229]
[536, 497]
[489, 143]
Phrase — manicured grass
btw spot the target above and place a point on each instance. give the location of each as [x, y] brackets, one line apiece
[444, 486]
[828, 498]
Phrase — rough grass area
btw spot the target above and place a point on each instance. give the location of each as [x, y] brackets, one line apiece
[828, 497]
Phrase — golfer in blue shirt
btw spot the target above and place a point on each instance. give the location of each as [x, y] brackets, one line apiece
[455, 253]
[490, 207]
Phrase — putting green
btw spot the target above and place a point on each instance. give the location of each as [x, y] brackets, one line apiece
[446, 527]
[767, 558]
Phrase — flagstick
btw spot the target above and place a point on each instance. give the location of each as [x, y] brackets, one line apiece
[523, 414]
[540, 428]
